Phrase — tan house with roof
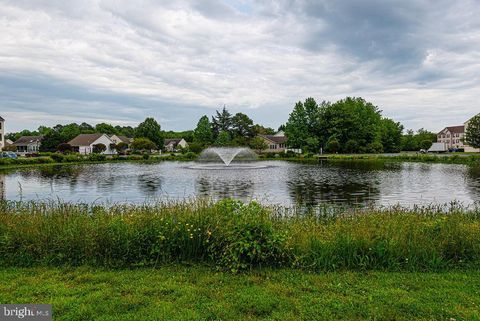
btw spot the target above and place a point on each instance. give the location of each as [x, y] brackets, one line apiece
[28, 144]
[174, 144]
[452, 137]
[117, 139]
[84, 143]
[276, 143]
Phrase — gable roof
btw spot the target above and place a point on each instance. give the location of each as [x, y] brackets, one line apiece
[85, 139]
[173, 141]
[275, 139]
[25, 140]
[454, 129]
[124, 139]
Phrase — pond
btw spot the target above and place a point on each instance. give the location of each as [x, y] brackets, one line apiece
[271, 182]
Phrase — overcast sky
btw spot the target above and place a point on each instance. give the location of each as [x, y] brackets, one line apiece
[121, 61]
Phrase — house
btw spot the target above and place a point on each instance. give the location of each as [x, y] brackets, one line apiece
[469, 149]
[276, 143]
[117, 139]
[28, 144]
[2, 133]
[452, 137]
[172, 145]
[84, 143]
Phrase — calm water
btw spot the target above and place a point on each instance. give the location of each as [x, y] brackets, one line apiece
[277, 183]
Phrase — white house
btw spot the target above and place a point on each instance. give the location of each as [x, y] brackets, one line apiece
[84, 143]
[2, 133]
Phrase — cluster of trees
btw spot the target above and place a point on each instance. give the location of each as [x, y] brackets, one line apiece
[472, 134]
[351, 125]
[226, 129]
[422, 139]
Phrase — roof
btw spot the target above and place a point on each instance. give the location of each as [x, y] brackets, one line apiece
[1, 118]
[173, 141]
[275, 139]
[84, 139]
[455, 129]
[125, 139]
[25, 140]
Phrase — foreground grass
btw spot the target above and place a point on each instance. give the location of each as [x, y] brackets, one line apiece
[233, 236]
[197, 293]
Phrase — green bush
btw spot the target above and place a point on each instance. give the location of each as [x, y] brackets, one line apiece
[57, 157]
[97, 157]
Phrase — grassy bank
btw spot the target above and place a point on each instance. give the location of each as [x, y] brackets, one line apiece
[73, 159]
[468, 159]
[198, 293]
[232, 236]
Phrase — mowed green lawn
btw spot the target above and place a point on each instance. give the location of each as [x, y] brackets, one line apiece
[199, 293]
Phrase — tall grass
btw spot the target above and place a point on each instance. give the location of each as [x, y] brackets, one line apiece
[234, 236]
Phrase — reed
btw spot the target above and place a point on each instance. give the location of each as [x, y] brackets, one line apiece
[234, 236]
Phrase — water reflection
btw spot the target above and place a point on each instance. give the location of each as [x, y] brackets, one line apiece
[354, 183]
[278, 182]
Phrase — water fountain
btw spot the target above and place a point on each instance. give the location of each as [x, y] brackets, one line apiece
[244, 158]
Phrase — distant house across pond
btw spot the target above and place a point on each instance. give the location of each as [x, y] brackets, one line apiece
[28, 144]
[276, 143]
[173, 145]
[117, 139]
[453, 137]
[84, 143]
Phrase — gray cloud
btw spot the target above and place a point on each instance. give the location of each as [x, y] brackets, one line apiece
[120, 61]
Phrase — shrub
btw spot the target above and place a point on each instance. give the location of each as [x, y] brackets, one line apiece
[374, 148]
[145, 156]
[58, 158]
[97, 157]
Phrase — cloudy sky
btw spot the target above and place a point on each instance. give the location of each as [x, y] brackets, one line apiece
[121, 61]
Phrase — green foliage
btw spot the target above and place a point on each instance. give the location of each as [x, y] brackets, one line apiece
[51, 141]
[223, 139]
[64, 148]
[426, 144]
[203, 133]
[333, 146]
[99, 148]
[121, 147]
[236, 236]
[150, 129]
[413, 141]
[258, 144]
[242, 126]
[348, 125]
[375, 148]
[472, 134]
[143, 144]
[222, 122]
[106, 129]
[58, 158]
[96, 157]
[390, 136]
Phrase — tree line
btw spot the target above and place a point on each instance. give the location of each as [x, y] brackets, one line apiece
[350, 125]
